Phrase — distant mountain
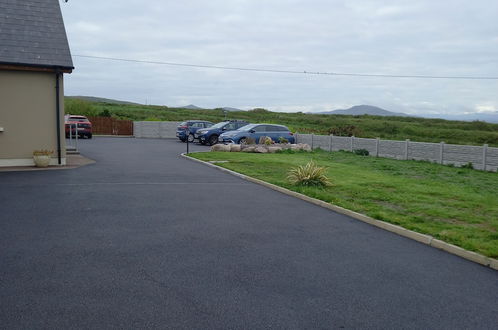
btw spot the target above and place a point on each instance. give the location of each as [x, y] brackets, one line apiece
[231, 109]
[490, 117]
[192, 107]
[358, 110]
[98, 99]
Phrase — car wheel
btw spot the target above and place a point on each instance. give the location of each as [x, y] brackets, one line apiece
[213, 139]
[89, 136]
[243, 141]
[190, 138]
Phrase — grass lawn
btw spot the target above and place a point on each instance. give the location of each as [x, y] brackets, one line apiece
[459, 206]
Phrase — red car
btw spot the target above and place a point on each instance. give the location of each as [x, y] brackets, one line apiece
[82, 123]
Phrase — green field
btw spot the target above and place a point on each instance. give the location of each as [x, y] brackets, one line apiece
[459, 206]
[396, 128]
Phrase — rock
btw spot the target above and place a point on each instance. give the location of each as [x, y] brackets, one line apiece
[235, 147]
[306, 147]
[303, 146]
[248, 149]
[261, 150]
[274, 149]
[220, 147]
[294, 147]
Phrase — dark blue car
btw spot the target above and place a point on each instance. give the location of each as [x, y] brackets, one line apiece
[255, 131]
[187, 129]
[210, 135]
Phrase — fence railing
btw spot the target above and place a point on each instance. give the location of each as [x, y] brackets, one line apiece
[481, 157]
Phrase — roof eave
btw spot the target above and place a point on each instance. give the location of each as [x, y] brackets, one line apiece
[35, 67]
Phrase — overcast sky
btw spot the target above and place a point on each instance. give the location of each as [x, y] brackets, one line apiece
[423, 37]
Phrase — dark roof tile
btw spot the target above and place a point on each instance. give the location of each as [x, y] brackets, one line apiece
[32, 33]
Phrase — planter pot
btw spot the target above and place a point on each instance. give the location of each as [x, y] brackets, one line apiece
[41, 160]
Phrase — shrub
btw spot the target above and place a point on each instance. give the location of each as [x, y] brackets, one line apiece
[308, 175]
[42, 152]
[250, 140]
[265, 140]
[283, 140]
[345, 130]
[362, 152]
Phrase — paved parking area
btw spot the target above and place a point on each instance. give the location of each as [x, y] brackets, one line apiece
[146, 239]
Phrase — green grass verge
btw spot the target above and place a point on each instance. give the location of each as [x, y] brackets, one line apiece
[459, 206]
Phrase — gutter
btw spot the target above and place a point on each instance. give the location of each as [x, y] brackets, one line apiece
[42, 67]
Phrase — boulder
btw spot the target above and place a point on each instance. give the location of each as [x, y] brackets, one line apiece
[220, 147]
[248, 149]
[274, 149]
[261, 150]
[235, 147]
[303, 146]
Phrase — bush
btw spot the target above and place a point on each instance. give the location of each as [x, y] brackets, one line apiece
[308, 175]
[250, 140]
[346, 130]
[265, 140]
[283, 140]
[362, 152]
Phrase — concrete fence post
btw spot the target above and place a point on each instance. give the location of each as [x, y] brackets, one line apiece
[312, 138]
[407, 142]
[441, 153]
[484, 156]
[377, 142]
[330, 142]
[351, 146]
[296, 138]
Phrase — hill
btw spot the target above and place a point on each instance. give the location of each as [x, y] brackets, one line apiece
[490, 117]
[191, 106]
[98, 99]
[363, 109]
[367, 126]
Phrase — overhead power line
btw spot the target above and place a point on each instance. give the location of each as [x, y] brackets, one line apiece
[288, 71]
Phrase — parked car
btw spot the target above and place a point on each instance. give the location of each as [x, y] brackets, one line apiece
[187, 129]
[210, 136]
[75, 124]
[255, 131]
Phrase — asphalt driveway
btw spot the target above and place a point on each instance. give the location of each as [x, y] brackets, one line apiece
[147, 239]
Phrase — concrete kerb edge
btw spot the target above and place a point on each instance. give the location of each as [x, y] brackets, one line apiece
[422, 238]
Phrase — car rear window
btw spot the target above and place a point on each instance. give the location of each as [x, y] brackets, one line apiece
[79, 119]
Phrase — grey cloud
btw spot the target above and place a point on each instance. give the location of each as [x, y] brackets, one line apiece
[397, 37]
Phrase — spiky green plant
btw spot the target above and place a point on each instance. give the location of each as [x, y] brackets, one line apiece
[309, 175]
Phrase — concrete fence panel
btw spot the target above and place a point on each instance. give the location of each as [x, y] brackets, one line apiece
[155, 129]
[461, 155]
[423, 151]
[368, 144]
[392, 149]
[321, 141]
[341, 143]
[492, 159]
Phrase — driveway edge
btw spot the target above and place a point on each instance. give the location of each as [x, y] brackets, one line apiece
[422, 238]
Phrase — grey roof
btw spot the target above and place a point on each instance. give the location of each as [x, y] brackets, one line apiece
[32, 33]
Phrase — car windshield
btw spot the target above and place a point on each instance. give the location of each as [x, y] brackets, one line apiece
[219, 125]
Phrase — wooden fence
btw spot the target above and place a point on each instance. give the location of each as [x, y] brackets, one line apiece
[111, 126]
